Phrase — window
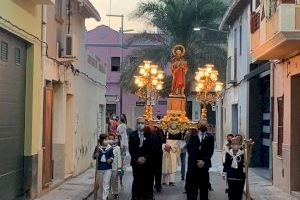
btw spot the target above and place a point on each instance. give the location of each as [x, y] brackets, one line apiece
[228, 71]
[92, 61]
[257, 3]
[115, 64]
[234, 119]
[58, 10]
[235, 55]
[4, 51]
[241, 39]
[280, 104]
[18, 56]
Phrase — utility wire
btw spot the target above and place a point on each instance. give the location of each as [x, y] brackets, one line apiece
[67, 66]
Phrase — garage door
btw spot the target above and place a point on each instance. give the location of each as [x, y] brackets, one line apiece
[12, 115]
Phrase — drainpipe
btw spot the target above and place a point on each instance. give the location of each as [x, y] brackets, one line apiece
[43, 57]
[273, 65]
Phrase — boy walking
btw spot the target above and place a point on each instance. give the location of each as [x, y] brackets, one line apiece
[104, 154]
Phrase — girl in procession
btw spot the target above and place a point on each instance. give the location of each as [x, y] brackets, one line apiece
[234, 170]
[116, 166]
[105, 156]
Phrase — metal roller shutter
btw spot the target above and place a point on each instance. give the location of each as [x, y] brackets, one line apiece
[12, 115]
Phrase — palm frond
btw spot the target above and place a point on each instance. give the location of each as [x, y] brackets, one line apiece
[176, 20]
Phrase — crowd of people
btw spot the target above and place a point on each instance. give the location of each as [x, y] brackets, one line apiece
[155, 158]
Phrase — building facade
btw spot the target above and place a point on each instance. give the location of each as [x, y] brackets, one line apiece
[275, 36]
[74, 93]
[20, 97]
[105, 42]
[234, 111]
[246, 104]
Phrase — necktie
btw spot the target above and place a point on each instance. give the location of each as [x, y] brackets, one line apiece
[141, 139]
[201, 137]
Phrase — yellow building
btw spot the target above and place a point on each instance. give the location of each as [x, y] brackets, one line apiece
[275, 36]
[20, 96]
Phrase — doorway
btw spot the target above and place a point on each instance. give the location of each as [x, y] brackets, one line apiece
[47, 135]
[111, 109]
[234, 119]
[295, 136]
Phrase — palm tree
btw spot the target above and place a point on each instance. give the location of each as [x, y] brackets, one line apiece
[176, 19]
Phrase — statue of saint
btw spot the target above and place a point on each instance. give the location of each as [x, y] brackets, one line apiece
[179, 68]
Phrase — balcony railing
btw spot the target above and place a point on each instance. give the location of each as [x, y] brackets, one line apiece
[287, 1]
[272, 33]
[255, 21]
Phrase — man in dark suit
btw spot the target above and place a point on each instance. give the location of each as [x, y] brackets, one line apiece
[140, 149]
[200, 150]
[158, 139]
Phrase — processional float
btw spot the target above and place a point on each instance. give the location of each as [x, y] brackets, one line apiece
[175, 123]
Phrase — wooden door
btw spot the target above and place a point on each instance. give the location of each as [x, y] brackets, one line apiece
[47, 136]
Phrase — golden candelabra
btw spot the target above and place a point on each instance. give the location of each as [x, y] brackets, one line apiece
[149, 83]
[208, 88]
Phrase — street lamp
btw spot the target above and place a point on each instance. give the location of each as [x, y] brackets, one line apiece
[198, 28]
[149, 81]
[208, 88]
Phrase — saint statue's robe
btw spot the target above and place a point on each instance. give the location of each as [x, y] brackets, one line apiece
[179, 68]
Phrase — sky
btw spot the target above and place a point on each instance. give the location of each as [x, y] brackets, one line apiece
[125, 7]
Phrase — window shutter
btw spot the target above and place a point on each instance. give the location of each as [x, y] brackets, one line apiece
[4, 51]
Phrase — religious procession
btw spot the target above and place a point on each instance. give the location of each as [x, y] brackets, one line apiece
[149, 99]
[158, 147]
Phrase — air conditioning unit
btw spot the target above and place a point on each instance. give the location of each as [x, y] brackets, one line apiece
[69, 46]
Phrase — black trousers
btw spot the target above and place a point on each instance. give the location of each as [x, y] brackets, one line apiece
[142, 185]
[235, 189]
[158, 171]
[197, 180]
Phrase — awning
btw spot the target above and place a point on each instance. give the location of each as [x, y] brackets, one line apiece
[261, 69]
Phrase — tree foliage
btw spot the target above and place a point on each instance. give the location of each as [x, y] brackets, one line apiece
[176, 19]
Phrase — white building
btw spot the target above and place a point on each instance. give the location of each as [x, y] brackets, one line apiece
[74, 97]
[233, 113]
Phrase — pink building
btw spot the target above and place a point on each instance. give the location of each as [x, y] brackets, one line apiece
[107, 47]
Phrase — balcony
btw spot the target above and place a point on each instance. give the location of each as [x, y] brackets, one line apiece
[276, 35]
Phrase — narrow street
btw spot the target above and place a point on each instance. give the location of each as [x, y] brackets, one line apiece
[83, 82]
[176, 192]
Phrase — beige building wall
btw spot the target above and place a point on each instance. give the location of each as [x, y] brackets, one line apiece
[286, 168]
[78, 102]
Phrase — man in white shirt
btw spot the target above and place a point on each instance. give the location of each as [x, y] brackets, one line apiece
[141, 152]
